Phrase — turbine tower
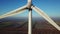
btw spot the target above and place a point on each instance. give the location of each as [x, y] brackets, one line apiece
[31, 7]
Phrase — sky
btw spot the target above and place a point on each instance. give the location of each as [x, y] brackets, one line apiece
[50, 7]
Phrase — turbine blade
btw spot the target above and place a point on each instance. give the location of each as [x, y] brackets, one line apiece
[46, 17]
[29, 1]
[19, 10]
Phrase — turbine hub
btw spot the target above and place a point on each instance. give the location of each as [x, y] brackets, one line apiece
[29, 4]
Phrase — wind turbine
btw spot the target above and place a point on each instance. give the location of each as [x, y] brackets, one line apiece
[30, 6]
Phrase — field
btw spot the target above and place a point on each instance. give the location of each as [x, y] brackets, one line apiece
[19, 26]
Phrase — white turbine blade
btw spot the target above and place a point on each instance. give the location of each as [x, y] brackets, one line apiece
[30, 22]
[29, 1]
[46, 17]
[19, 10]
